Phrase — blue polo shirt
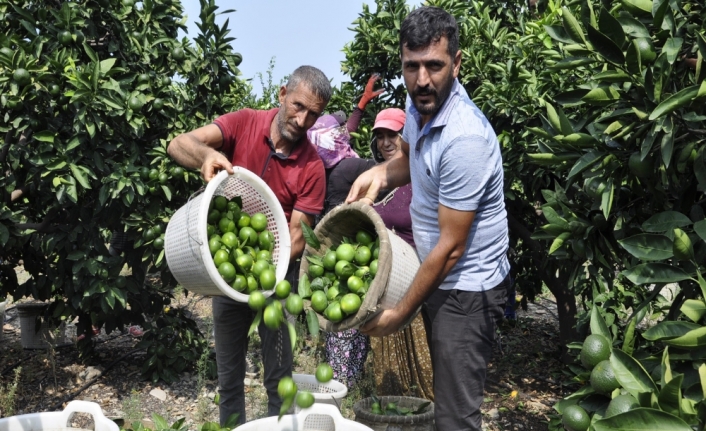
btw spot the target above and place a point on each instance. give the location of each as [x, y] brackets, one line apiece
[455, 161]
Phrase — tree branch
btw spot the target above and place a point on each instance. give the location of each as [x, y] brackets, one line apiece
[44, 226]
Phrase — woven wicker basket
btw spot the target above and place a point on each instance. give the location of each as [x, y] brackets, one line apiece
[421, 422]
[397, 261]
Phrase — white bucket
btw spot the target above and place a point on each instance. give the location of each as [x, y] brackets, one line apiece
[186, 239]
[319, 417]
[331, 392]
[58, 421]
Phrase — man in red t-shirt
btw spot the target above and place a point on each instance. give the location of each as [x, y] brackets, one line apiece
[273, 145]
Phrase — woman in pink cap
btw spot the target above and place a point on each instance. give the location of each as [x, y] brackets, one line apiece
[402, 364]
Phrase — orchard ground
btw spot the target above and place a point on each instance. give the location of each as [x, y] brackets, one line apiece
[525, 378]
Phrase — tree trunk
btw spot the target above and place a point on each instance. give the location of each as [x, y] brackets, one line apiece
[566, 311]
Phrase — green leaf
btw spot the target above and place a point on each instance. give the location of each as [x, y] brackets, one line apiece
[702, 377]
[309, 236]
[558, 33]
[693, 338]
[312, 322]
[292, 335]
[632, 26]
[559, 121]
[582, 140]
[255, 323]
[159, 422]
[106, 65]
[572, 26]
[633, 59]
[665, 221]
[612, 76]
[666, 367]
[641, 419]
[570, 97]
[671, 48]
[694, 309]
[571, 63]
[647, 246]
[668, 330]
[552, 217]
[45, 136]
[304, 287]
[611, 27]
[630, 373]
[702, 283]
[605, 46]
[674, 102]
[80, 177]
[315, 260]
[598, 325]
[559, 242]
[670, 396]
[647, 273]
[607, 199]
[167, 192]
[602, 95]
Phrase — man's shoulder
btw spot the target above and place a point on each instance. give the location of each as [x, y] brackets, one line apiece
[246, 114]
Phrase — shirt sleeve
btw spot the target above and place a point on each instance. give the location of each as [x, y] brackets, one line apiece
[312, 191]
[231, 125]
[354, 120]
[465, 169]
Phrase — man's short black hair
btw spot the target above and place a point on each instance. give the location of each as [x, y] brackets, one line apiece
[427, 25]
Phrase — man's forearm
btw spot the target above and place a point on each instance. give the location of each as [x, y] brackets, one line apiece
[188, 151]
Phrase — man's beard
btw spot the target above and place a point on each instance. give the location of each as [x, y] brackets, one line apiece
[439, 98]
[284, 132]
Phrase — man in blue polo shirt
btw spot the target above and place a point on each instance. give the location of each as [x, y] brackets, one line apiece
[452, 157]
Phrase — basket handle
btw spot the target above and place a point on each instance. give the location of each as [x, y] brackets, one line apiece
[328, 410]
[88, 407]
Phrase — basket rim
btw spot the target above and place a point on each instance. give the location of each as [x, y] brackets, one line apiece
[362, 409]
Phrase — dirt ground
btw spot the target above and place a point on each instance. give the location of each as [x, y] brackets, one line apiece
[524, 377]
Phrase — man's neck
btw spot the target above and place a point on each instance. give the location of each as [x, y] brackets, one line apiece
[280, 144]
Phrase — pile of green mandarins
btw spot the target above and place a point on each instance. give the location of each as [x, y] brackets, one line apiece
[336, 282]
[241, 247]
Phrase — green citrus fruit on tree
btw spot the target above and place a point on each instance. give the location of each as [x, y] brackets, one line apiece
[333, 312]
[158, 243]
[642, 168]
[178, 53]
[345, 252]
[158, 104]
[350, 303]
[256, 301]
[258, 221]
[166, 81]
[596, 348]
[143, 77]
[135, 103]
[362, 255]
[603, 378]
[594, 187]
[329, 260]
[319, 302]
[149, 234]
[324, 373]
[7, 52]
[65, 38]
[267, 278]
[621, 404]
[154, 174]
[240, 283]
[646, 48]
[575, 418]
[227, 271]
[163, 178]
[294, 304]
[21, 77]
[305, 399]
[283, 289]
[286, 388]
[272, 316]
[54, 89]
[363, 237]
[237, 59]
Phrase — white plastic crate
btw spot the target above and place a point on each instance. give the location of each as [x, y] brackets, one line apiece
[58, 421]
[186, 239]
[319, 417]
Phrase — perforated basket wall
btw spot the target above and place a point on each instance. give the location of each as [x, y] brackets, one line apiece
[420, 422]
[47, 335]
[319, 417]
[186, 239]
[331, 392]
[397, 261]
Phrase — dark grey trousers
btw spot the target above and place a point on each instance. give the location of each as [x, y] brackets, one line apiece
[231, 322]
[461, 333]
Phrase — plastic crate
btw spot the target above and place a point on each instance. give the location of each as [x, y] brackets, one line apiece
[186, 239]
[319, 417]
[59, 421]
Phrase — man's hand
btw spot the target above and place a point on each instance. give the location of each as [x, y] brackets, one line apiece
[367, 186]
[385, 323]
[214, 163]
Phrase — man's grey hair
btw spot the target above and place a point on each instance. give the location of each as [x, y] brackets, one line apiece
[314, 79]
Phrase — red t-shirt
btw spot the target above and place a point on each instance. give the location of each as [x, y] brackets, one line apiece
[298, 180]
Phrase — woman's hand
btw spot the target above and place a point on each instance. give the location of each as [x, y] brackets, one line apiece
[369, 94]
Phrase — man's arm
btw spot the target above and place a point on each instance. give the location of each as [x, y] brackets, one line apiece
[296, 234]
[454, 228]
[393, 173]
[198, 150]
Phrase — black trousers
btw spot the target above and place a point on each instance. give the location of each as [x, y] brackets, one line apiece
[461, 332]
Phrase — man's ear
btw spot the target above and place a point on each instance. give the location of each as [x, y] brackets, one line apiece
[457, 63]
[282, 94]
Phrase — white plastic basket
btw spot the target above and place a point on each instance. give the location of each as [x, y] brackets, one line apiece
[186, 240]
[58, 421]
[319, 417]
[30, 338]
[331, 392]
